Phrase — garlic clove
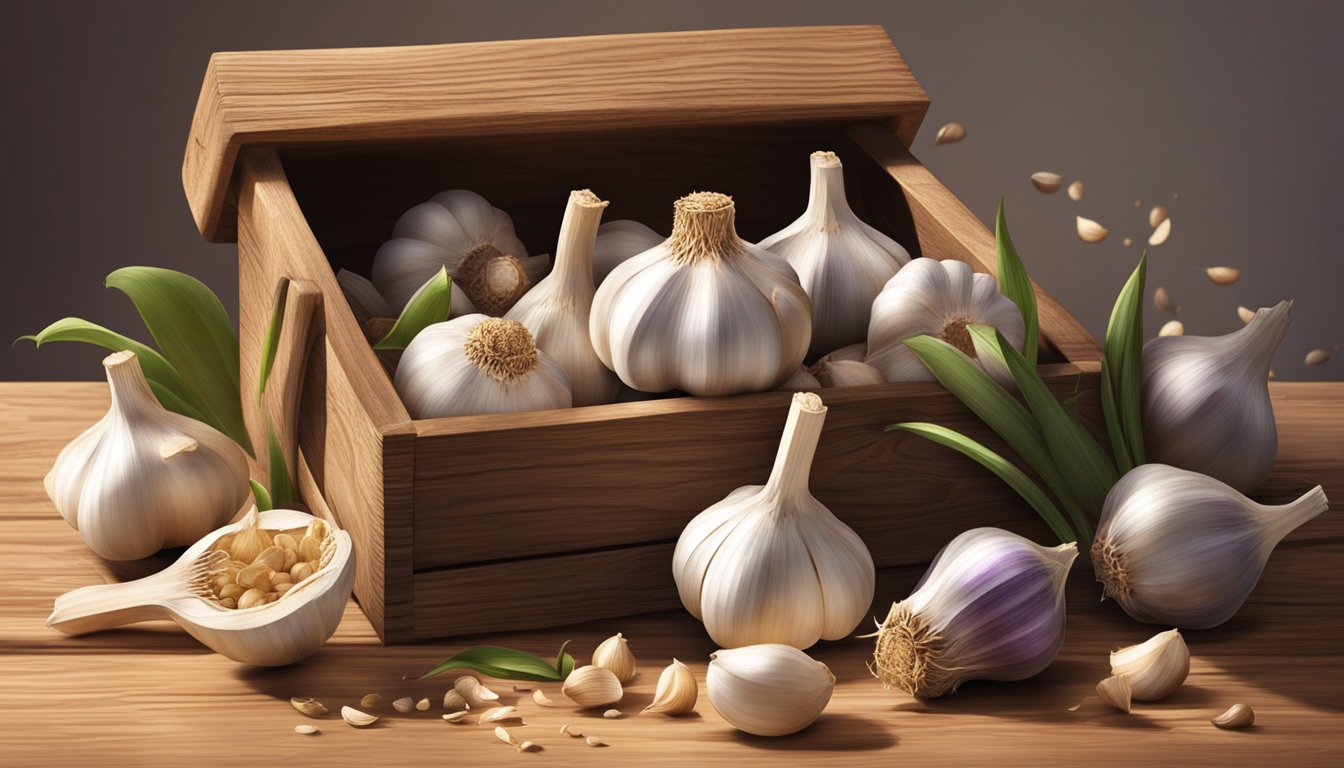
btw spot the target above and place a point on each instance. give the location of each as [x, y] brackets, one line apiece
[454, 701]
[308, 706]
[404, 705]
[1236, 716]
[1161, 233]
[769, 689]
[1157, 215]
[542, 699]
[1046, 182]
[1223, 275]
[1317, 357]
[1076, 191]
[356, 718]
[1090, 231]
[1172, 328]
[473, 692]
[950, 134]
[1162, 300]
[1114, 691]
[676, 693]
[498, 715]
[1245, 315]
[1154, 668]
[847, 373]
[857, 352]
[614, 654]
[801, 379]
[618, 241]
[591, 687]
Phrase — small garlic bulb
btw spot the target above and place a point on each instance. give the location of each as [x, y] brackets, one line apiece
[676, 692]
[936, 298]
[990, 607]
[703, 312]
[841, 262]
[144, 478]
[1206, 405]
[769, 689]
[1156, 667]
[460, 231]
[614, 654]
[592, 686]
[617, 241]
[770, 564]
[1179, 548]
[556, 310]
[476, 364]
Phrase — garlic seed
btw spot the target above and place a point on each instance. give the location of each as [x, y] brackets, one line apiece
[404, 705]
[1172, 328]
[1157, 215]
[308, 706]
[1223, 275]
[303, 729]
[356, 718]
[676, 692]
[1317, 357]
[1160, 234]
[1236, 716]
[1076, 191]
[1046, 181]
[614, 654]
[1154, 668]
[950, 133]
[1162, 300]
[1114, 691]
[1090, 231]
[591, 687]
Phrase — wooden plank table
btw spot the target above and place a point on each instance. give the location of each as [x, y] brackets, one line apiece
[150, 695]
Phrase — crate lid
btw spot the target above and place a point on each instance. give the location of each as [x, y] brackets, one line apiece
[418, 93]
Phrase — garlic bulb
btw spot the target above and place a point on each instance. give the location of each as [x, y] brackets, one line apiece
[936, 298]
[676, 692]
[614, 654]
[703, 312]
[990, 607]
[770, 564]
[846, 373]
[857, 352]
[592, 687]
[841, 262]
[556, 310]
[1179, 548]
[291, 623]
[802, 378]
[617, 241]
[1154, 668]
[1206, 403]
[476, 364]
[769, 689]
[144, 478]
[458, 230]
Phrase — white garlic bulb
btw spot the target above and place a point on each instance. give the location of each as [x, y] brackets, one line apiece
[144, 478]
[614, 654]
[458, 230]
[476, 364]
[770, 564]
[703, 312]
[846, 373]
[1154, 668]
[769, 689]
[1179, 548]
[1206, 403]
[617, 241]
[990, 607]
[936, 298]
[841, 262]
[556, 310]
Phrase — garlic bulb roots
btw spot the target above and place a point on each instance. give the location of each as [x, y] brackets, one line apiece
[768, 689]
[617, 241]
[492, 280]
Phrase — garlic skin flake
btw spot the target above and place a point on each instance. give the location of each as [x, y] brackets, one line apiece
[143, 478]
[703, 312]
[768, 689]
[841, 261]
[476, 364]
[990, 607]
[556, 310]
[771, 564]
[1179, 548]
[1206, 403]
[617, 241]
[1154, 668]
[936, 298]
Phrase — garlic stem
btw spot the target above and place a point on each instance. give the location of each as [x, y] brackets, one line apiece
[1259, 339]
[703, 227]
[798, 446]
[1286, 518]
[131, 395]
[827, 192]
[574, 252]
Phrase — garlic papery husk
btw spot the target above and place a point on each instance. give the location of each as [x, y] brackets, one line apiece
[476, 364]
[768, 689]
[676, 692]
[441, 233]
[556, 310]
[614, 654]
[1154, 668]
[1206, 403]
[1179, 548]
[841, 262]
[846, 373]
[770, 564]
[703, 312]
[143, 478]
[990, 607]
[282, 631]
[936, 298]
[617, 241]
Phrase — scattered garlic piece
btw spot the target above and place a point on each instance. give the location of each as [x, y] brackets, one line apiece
[1160, 234]
[422, 705]
[1317, 357]
[453, 701]
[593, 741]
[475, 694]
[614, 654]
[1223, 275]
[1172, 328]
[1246, 315]
[1076, 191]
[571, 731]
[523, 688]
[458, 716]
[356, 718]
[676, 692]
[542, 699]
[1114, 691]
[404, 705]
[1090, 231]
[1128, 241]
[950, 134]
[591, 687]
[1236, 716]
[1162, 300]
[303, 729]
[1156, 216]
[612, 714]
[370, 700]
[1046, 181]
[1154, 668]
[308, 706]
[498, 715]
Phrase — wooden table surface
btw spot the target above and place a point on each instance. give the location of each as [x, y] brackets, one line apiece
[151, 695]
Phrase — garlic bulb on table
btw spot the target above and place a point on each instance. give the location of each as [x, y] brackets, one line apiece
[460, 231]
[841, 262]
[144, 478]
[768, 689]
[770, 564]
[990, 607]
[556, 310]
[704, 312]
[1179, 548]
[1206, 403]
[476, 364]
[617, 241]
[936, 298]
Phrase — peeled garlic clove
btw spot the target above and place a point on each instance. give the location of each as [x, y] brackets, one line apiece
[143, 477]
[1223, 275]
[1183, 549]
[542, 699]
[769, 689]
[1172, 328]
[422, 705]
[1157, 215]
[1115, 692]
[1236, 716]
[1090, 231]
[1076, 191]
[304, 729]
[618, 241]
[1046, 182]
[1245, 315]
[1154, 668]
[308, 706]
[1161, 233]
[676, 692]
[356, 718]
[456, 717]
[591, 687]
[614, 654]
[956, 625]
[950, 134]
[847, 373]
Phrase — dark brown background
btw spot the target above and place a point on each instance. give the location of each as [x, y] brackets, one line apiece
[1236, 107]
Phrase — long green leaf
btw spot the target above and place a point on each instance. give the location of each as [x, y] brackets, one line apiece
[564, 663]
[282, 486]
[428, 305]
[1016, 285]
[261, 496]
[1001, 467]
[194, 333]
[1123, 354]
[1115, 432]
[505, 663]
[271, 342]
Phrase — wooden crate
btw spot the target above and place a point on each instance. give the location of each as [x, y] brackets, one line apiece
[485, 523]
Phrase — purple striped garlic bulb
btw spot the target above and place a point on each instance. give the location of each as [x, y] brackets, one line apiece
[990, 607]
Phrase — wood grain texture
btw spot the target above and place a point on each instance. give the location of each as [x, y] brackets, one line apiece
[150, 695]
[383, 95]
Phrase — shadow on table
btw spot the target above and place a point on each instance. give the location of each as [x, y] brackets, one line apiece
[830, 733]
